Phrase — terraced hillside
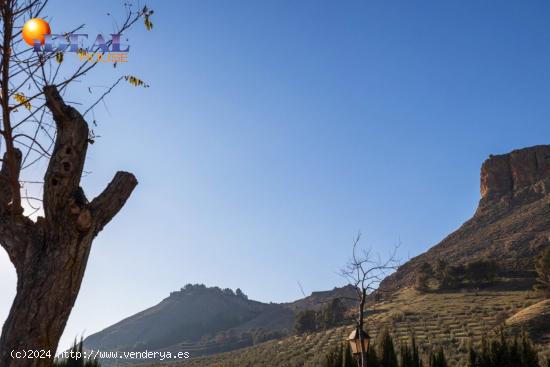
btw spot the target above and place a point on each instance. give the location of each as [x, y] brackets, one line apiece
[450, 319]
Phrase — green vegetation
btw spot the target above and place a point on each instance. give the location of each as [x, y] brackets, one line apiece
[410, 356]
[503, 352]
[425, 273]
[331, 315]
[382, 354]
[438, 359]
[306, 322]
[450, 319]
[475, 273]
[340, 356]
[497, 352]
[542, 266]
[76, 358]
[388, 357]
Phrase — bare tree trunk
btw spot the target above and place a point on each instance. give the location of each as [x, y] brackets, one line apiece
[50, 255]
[365, 276]
[361, 323]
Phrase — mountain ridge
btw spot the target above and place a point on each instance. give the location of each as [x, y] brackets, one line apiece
[208, 319]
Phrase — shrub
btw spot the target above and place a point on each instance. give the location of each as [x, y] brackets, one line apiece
[503, 352]
[305, 322]
[481, 272]
[542, 266]
[476, 273]
[425, 273]
[410, 357]
[332, 314]
[438, 359]
[386, 349]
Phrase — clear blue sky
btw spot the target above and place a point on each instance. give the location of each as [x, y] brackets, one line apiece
[274, 130]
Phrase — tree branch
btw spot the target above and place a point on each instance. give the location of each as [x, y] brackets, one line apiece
[14, 228]
[62, 178]
[104, 207]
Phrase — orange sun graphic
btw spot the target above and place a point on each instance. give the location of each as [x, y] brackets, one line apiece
[35, 29]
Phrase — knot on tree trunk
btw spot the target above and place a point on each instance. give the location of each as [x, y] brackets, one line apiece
[66, 165]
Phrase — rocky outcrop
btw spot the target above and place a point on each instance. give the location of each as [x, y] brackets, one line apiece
[511, 223]
[510, 173]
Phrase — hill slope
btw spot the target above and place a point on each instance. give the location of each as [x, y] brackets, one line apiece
[450, 319]
[205, 321]
[511, 223]
[189, 315]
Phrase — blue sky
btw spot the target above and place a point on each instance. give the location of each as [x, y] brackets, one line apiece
[273, 131]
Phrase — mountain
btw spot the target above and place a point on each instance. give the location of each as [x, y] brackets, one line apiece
[511, 224]
[316, 300]
[205, 321]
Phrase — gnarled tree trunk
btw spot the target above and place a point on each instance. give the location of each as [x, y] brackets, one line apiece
[50, 255]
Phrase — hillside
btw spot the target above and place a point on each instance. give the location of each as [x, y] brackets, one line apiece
[534, 319]
[317, 299]
[450, 319]
[190, 315]
[205, 321]
[511, 223]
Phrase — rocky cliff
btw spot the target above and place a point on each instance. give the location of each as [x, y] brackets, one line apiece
[511, 223]
[508, 175]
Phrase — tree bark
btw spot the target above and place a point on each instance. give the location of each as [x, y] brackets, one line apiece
[50, 255]
[361, 323]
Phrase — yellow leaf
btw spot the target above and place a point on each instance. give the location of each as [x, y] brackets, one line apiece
[21, 99]
[147, 18]
[136, 81]
[148, 24]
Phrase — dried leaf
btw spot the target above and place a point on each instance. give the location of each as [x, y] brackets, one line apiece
[135, 81]
[59, 57]
[147, 18]
[21, 99]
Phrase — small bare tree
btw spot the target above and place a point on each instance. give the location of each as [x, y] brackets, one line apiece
[365, 271]
[50, 250]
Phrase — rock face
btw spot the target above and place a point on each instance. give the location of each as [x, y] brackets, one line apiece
[511, 223]
[512, 172]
